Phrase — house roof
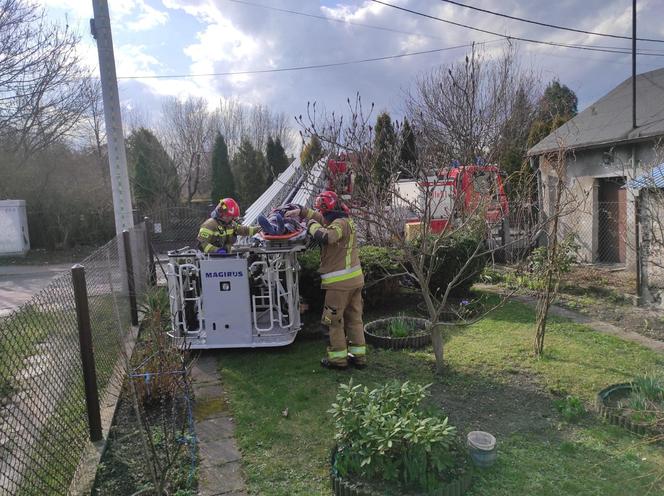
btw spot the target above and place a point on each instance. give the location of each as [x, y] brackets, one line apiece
[609, 119]
[653, 179]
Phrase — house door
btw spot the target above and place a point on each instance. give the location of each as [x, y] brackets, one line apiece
[612, 219]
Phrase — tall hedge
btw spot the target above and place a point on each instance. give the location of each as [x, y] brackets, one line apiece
[378, 265]
[449, 260]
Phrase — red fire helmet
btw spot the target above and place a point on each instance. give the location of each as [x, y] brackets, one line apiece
[228, 207]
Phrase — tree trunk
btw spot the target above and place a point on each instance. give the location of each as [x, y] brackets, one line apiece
[543, 304]
[551, 286]
[437, 341]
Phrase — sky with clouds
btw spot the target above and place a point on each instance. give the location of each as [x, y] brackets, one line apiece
[194, 37]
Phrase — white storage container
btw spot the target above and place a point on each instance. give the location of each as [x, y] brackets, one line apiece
[14, 238]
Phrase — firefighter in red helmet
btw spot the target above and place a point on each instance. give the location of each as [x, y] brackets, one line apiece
[341, 278]
[219, 232]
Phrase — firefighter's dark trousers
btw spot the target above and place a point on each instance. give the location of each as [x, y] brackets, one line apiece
[343, 315]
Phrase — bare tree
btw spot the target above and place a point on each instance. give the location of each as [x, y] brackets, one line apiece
[231, 120]
[188, 134]
[463, 110]
[458, 251]
[41, 78]
[236, 121]
[94, 127]
[549, 262]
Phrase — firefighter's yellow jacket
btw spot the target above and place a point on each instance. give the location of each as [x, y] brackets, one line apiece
[214, 234]
[340, 258]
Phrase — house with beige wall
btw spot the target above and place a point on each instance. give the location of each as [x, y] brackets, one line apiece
[599, 152]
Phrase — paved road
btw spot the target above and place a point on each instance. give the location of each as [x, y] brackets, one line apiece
[18, 283]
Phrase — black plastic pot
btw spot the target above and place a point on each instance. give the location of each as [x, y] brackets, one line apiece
[342, 487]
[414, 341]
[608, 396]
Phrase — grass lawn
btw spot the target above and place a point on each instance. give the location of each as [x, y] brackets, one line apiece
[492, 382]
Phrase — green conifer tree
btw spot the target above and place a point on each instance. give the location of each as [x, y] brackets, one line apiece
[312, 152]
[223, 182]
[383, 151]
[249, 167]
[408, 152]
[154, 178]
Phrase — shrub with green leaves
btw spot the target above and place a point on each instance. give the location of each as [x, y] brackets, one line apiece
[449, 259]
[383, 435]
[570, 408]
[379, 266]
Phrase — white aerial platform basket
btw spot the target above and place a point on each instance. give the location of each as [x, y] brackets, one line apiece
[247, 299]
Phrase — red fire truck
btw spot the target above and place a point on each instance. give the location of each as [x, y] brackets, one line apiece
[340, 177]
[457, 191]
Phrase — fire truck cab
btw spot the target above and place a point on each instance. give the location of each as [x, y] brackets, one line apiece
[454, 192]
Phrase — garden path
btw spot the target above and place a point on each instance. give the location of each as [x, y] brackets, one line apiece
[595, 324]
[220, 460]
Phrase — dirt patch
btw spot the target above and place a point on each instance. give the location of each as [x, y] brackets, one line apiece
[642, 320]
[608, 280]
[515, 404]
[607, 294]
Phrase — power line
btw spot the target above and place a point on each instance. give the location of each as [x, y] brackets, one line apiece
[314, 66]
[332, 19]
[381, 28]
[554, 26]
[509, 37]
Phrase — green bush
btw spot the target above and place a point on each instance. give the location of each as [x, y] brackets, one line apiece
[310, 290]
[378, 264]
[570, 408]
[383, 435]
[448, 261]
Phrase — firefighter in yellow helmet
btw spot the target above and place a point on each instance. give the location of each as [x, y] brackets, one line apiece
[219, 232]
[341, 278]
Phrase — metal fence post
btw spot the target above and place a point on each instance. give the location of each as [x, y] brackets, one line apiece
[87, 355]
[152, 271]
[130, 277]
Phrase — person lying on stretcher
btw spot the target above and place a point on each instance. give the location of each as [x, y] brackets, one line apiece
[277, 224]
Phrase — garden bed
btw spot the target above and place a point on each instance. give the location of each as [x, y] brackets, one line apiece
[616, 404]
[151, 447]
[456, 486]
[491, 382]
[396, 333]
[122, 469]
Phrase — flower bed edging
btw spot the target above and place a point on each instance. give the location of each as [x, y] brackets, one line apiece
[342, 487]
[419, 340]
[614, 415]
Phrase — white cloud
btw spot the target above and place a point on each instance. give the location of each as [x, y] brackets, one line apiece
[234, 37]
[134, 60]
[148, 18]
[133, 15]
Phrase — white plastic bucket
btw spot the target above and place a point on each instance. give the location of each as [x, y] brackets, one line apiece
[482, 448]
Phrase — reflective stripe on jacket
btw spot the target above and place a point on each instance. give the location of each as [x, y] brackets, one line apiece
[340, 259]
[213, 235]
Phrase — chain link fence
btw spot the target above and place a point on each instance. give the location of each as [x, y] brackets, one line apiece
[602, 234]
[176, 227]
[44, 427]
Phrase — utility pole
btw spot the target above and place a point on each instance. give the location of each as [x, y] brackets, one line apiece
[100, 27]
[633, 64]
